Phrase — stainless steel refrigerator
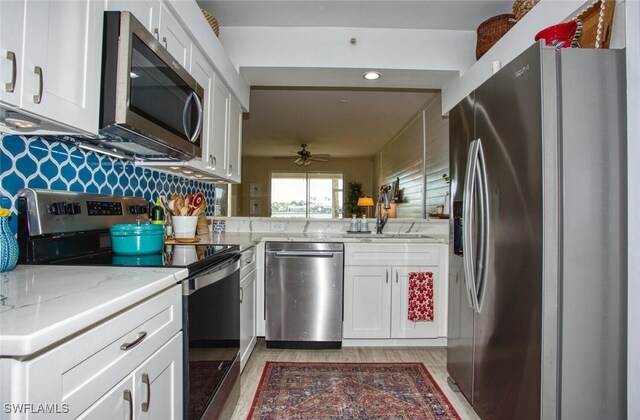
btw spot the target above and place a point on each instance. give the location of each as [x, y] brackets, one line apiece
[537, 287]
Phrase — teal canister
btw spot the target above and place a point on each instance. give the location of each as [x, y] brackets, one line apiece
[8, 246]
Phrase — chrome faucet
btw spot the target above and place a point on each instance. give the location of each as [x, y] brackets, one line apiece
[383, 201]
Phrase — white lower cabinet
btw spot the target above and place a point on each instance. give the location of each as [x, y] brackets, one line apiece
[115, 404]
[248, 286]
[367, 302]
[109, 371]
[376, 296]
[153, 391]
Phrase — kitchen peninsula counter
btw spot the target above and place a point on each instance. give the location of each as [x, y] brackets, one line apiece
[41, 305]
[249, 239]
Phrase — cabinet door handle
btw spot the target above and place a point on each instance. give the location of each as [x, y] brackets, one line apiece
[214, 163]
[396, 276]
[127, 397]
[230, 170]
[38, 71]
[164, 41]
[11, 56]
[129, 346]
[387, 278]
[156, 32]
[210, 165]
[146, 381]
[241, 294]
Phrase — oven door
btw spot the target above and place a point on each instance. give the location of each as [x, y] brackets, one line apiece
[148, 97]
[211, 317]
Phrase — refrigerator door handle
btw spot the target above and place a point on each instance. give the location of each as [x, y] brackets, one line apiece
[467, 223]
[484, 222]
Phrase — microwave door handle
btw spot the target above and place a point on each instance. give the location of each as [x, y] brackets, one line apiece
[185, 117]
[200, 114]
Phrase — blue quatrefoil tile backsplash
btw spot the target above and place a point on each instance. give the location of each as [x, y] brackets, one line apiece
[35, 162]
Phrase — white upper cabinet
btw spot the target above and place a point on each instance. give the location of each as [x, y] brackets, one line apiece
[174, 38]
[58, 64]
[234, 155]
[155, 16]
[220, 129]
[204, 74]
[11, 33]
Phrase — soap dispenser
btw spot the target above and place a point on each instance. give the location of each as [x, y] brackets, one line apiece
[355, 224]
[364, 224]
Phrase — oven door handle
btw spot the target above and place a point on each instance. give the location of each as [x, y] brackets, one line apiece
[192, 285]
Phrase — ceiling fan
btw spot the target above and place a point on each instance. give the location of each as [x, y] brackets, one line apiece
[304, 157]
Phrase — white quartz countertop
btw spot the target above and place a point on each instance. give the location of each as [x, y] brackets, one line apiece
[42, 304]
[249, 239]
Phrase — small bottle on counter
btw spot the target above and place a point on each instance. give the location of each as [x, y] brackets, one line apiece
[157, 214]
[355, 224]
[364, 224]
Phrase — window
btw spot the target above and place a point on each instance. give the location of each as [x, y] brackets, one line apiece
[314, 194]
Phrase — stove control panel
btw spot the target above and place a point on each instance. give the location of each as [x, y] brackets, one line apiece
[104, 208]
[52, 212]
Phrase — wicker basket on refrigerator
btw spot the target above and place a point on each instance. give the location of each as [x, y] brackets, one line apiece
[491, 30]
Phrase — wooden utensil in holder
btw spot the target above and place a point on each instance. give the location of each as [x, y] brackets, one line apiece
[202, 228]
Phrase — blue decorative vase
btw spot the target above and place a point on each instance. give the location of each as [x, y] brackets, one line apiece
[8, 247]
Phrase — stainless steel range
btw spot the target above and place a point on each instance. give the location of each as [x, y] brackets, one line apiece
[65, 228]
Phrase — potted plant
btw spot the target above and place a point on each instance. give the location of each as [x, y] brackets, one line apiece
[354, 192]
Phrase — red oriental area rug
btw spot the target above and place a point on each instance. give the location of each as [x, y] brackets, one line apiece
[349, 391]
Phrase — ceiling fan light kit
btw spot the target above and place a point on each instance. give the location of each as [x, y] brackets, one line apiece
[305, 157]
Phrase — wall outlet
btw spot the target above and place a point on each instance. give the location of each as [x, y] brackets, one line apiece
[277, 226]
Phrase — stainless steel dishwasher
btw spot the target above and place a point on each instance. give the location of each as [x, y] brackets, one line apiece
[303, 294]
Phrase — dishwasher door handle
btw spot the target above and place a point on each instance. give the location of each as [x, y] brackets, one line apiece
[304, 254]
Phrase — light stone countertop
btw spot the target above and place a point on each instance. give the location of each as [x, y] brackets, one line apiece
[249, 239]
[42, 304]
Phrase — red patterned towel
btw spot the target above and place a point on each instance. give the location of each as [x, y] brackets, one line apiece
[421, 296]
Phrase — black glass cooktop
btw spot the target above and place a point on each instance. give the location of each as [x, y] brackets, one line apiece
[193, 257]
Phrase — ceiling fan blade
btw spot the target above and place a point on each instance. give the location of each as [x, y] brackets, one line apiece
[321, 155]
[299, 160]
[317, 159]
[283, 157]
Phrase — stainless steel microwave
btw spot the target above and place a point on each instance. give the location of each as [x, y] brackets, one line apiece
[151, 107]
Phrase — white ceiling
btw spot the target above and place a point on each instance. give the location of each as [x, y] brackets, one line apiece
[341, 123]
[402, 14]
[281, 119]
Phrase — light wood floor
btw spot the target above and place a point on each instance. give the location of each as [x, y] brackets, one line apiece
[434, 358]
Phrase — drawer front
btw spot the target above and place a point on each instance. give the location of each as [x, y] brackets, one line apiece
[81, 370]
[247, 262]
[392, 254]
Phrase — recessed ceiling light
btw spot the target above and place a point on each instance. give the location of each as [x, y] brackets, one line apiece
[372, 75]
[187, 172]
[342, 101]
[175, 168]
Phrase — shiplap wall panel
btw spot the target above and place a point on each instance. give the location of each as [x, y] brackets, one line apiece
[419, 156]
[403, 158]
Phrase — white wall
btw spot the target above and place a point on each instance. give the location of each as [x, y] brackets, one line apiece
[633, 178]
[331, 47]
